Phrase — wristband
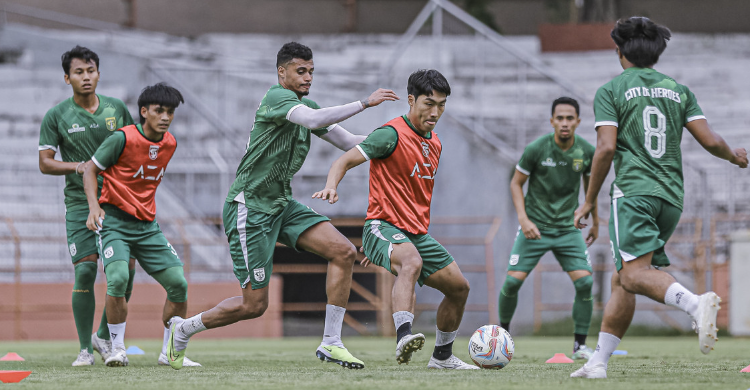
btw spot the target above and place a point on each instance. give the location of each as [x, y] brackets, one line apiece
[365, 102]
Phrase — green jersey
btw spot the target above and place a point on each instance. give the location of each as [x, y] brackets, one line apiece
[554, 180]
[275, 151]
[76, 134]
[649, 110]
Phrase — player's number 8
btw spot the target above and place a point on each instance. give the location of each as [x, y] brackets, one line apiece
[659, 132]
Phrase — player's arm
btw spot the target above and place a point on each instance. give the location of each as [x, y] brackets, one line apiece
[342, 138]
[349, 160]
[90, 187]
[529, 229]
[49, 166]
[606, 144]
[324, 117]
[594, 229]
[715, 144]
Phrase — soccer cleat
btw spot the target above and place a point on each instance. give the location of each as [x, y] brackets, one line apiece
[164, 361]
[104, 347]
[84, 359]
[583, 352]
[338, 355]
[174, 357]
[594, 371]
[407, 346]
[704, 321]
[118, 358]
[452, 363]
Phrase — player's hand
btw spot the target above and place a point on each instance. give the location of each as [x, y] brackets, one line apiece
[593, 233]
[95, 219]
[582, 212]
[740, 157]
[328, 194]
[379, 96]
[530, 231]
[365, 261]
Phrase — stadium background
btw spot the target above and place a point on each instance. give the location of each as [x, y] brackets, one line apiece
[221, 55]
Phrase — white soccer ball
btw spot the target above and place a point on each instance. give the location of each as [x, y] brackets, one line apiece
[491, 347]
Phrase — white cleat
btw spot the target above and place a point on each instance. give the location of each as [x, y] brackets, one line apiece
[118, 358]
[704, 321]
[452, 363]
[104, 347]
[407, 346]
[594, 371]
[84, 359]
[583, 352]
[185, 363]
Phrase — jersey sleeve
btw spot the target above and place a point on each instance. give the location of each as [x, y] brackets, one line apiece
[604, 108]
[49, 138]
[528, 160]
[692, 109]
[109, 151]
[379, 144]
[278, 103]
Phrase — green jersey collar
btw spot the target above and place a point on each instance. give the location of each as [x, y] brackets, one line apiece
[408, 122]
[98, 109]
[637, 69]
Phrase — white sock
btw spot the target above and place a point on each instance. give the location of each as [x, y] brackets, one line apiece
[680, 297]
[606, 344]
[443, 338]
[187, 329]
[334, 321]
[164, 342]
[402, 317]
[117, 335]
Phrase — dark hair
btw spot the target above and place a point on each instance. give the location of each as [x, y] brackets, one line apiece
[82, 54]
[425, 81]
[566, 100]
[161, 94]
[640, 40]
[291, 51]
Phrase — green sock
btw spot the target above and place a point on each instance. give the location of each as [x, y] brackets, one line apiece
[103, 332]
[509, 298]
[84, 302]
[583, 305]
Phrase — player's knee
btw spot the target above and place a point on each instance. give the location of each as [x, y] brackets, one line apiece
[584, 285]
[253, 309]
[411, 267]
[85, 275]
[177, 291]
[628, 280]
[461, 289]
[511, 286]
[344, 252]
[117, 278]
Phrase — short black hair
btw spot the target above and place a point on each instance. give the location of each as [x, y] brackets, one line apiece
[640, 40]
[161, 94]
[292, 50]
[426, 81]
[80, 52]
[566, 100]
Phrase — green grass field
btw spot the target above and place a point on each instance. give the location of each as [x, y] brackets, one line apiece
[652, 363]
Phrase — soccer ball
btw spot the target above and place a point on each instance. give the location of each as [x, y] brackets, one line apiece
[491, 347]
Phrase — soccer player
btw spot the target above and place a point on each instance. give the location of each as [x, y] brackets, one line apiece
[639, 119]
[404, 155]
[76, 127]
[132, 162]
[260, 211]
[554, 164]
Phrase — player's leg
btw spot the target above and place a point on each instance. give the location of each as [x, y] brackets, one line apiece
[305, 230]
[116, 271]
[100, 340]
[524, 256]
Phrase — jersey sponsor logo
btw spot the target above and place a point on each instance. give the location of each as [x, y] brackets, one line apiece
[94, 126]
[514, 259]
[260, 274]
[153, 151]
[142, 174]
[577, 165]
[416, 171]
[76, 128]
[109, 252]
[425, 149]
[398, 236]
[111, 123]
[72, 249]
[549, 163]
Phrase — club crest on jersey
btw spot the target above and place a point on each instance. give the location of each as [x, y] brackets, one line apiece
[577, 165]
[514, 259]
[76, 128]
[73, 249]
[111, 123]
[549, 163]
[425, 149]
[260, 274]
[153, 151]
[109, 252]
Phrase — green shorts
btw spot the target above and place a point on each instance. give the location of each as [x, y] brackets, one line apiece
[81, 240]
[123, 236]
[252, 237]
[568, 247]
[639, 225]
[379, 236]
